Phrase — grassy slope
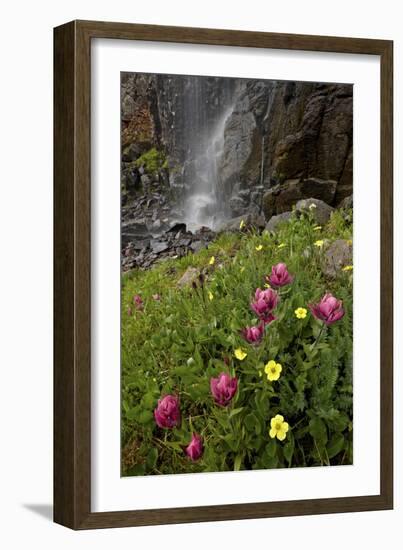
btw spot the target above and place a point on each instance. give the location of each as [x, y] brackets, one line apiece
[176, 344]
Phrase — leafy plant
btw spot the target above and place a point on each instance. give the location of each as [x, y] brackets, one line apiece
[176, 342]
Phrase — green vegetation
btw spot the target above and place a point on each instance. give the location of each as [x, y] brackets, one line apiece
[174, 340]
[152, 160]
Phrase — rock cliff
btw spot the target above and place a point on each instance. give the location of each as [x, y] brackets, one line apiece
[227, 147]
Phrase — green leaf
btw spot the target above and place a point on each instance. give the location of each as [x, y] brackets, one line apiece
[252, 423]
[237, 463]
[137, 470]
[288, 450]
[271, 448]
[335, 445]
[317, 429]
[235, 412]
[149, 401]
[152, 457]
[144, 417]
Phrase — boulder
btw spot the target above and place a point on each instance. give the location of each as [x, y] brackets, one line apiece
[288, 195]
[347, 202]
[158, 246]
[338, 255]
[319, 189]
[250, 221]
[275, 221]
[319, 209]
[189, 277]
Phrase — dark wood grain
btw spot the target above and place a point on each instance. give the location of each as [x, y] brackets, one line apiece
[72, 269]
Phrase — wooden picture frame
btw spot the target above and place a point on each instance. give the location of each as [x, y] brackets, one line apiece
[72, 270]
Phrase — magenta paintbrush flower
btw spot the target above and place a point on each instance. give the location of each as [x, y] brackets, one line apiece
[138, 301]
[223, 388]
[253, 335]
[279, 276]
[264, 303]
[195, 448]
[329, 309]
[167, 413]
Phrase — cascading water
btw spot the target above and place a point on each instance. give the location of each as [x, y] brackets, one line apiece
[204, 204]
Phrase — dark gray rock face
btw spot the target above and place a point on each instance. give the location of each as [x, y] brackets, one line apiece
[281, 198]
[280, 143]
[281, 132]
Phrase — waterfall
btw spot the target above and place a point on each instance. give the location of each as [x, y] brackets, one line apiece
[206, 116]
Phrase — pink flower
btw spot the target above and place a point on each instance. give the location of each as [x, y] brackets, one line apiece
[279, 276]
[138, 302]
[264, 303]
[167, 414]
[329, 309]
[195, 448]
[223, 388]
[253, 335]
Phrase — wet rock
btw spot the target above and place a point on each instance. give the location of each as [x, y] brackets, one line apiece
[249, 221]
[319, 209]
[156, 225]
[158, 246]
[338, 255]
[145, 180]
[177, 228]
[135, 227]
[190, 276]
[275, 221]
[131, 152]
[237, 205]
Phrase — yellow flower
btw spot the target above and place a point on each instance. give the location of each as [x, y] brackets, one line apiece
[347, 268]
[259, 247]
[210, 295]
[242, 224]
[319, 243]
[273, 370]
[240, 354]
[300, 313]
[281, 245]
[317, 228]
[349, 242]
[212, 260]
[266, 285]
[278, 428]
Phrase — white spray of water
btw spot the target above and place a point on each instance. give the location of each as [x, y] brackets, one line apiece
[204, 205]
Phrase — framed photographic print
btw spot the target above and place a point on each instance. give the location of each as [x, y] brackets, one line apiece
[223, 275]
